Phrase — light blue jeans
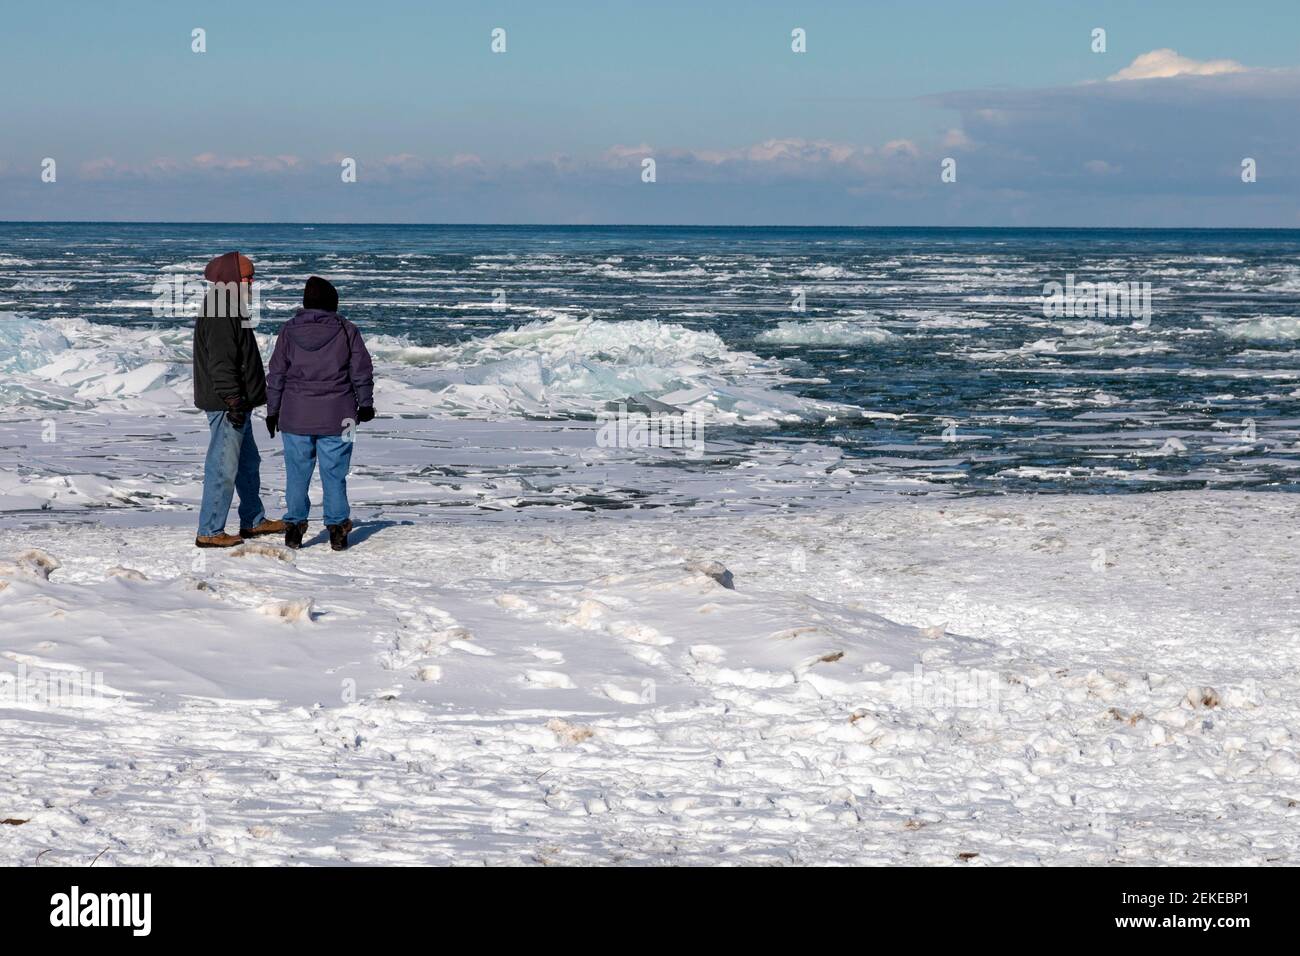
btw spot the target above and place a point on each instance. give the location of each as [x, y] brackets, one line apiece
[300, 455]
[233, 464]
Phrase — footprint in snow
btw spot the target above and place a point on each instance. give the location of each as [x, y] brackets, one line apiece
[622, 695]
[300, 609]
[639, 633]
[549, 680]
[513, 602]
[707, 653]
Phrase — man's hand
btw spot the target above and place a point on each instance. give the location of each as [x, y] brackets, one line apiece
[272, 424]
[235, 413]
[365, 414]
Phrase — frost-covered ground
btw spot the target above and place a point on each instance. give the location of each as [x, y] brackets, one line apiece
[1056, 679]
[545, 649]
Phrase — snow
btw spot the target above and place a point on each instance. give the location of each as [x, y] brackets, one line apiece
[1061, 679]
[567, 366]
[837, 332]
[544, 650]
[1265, 328]
[563, 367]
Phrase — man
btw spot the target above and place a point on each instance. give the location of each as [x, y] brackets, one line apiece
[229, 383]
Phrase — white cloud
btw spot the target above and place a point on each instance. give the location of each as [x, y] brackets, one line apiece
[1100, 167]
[900, 147]
[1163, 63]
[261, 164]
[622, 152]
[956, 138]
[789, 152]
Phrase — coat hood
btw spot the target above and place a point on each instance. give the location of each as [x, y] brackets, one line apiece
[320, 374]
[313, 329]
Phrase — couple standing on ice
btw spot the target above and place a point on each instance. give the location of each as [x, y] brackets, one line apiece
[321, 383]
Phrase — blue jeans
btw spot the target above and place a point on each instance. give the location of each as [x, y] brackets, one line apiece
[233, 463]
[300, 455]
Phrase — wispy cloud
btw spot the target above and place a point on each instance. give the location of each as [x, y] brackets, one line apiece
[1165, 63]
[1160, 143]
[166, 167]
[792, 156]
[263, 164]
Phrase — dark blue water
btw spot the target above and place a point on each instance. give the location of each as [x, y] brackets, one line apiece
[942, 327]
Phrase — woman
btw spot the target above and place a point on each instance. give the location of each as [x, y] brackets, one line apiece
[319, 385]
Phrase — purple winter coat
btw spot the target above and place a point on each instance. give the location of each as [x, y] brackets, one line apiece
[320, 374]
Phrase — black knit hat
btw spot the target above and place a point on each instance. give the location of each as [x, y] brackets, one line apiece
[319, 294]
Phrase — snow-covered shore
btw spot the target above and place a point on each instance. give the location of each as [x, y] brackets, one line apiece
[547, 649]
[1066, 679]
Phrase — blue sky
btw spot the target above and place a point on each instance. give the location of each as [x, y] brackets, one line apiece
[742, 129]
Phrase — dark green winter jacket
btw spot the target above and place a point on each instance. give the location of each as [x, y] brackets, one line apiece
[227, 364]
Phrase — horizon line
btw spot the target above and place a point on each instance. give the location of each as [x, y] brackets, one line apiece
[627, 225]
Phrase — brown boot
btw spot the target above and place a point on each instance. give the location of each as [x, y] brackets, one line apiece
[266, 527]
[339, 535]
[218, 540]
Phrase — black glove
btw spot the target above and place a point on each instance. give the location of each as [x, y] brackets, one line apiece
[235, 413]
[272, 424]
[365, 414]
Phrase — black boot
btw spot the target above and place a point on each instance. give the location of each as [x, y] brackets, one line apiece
[293, 532]
[339, 535]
